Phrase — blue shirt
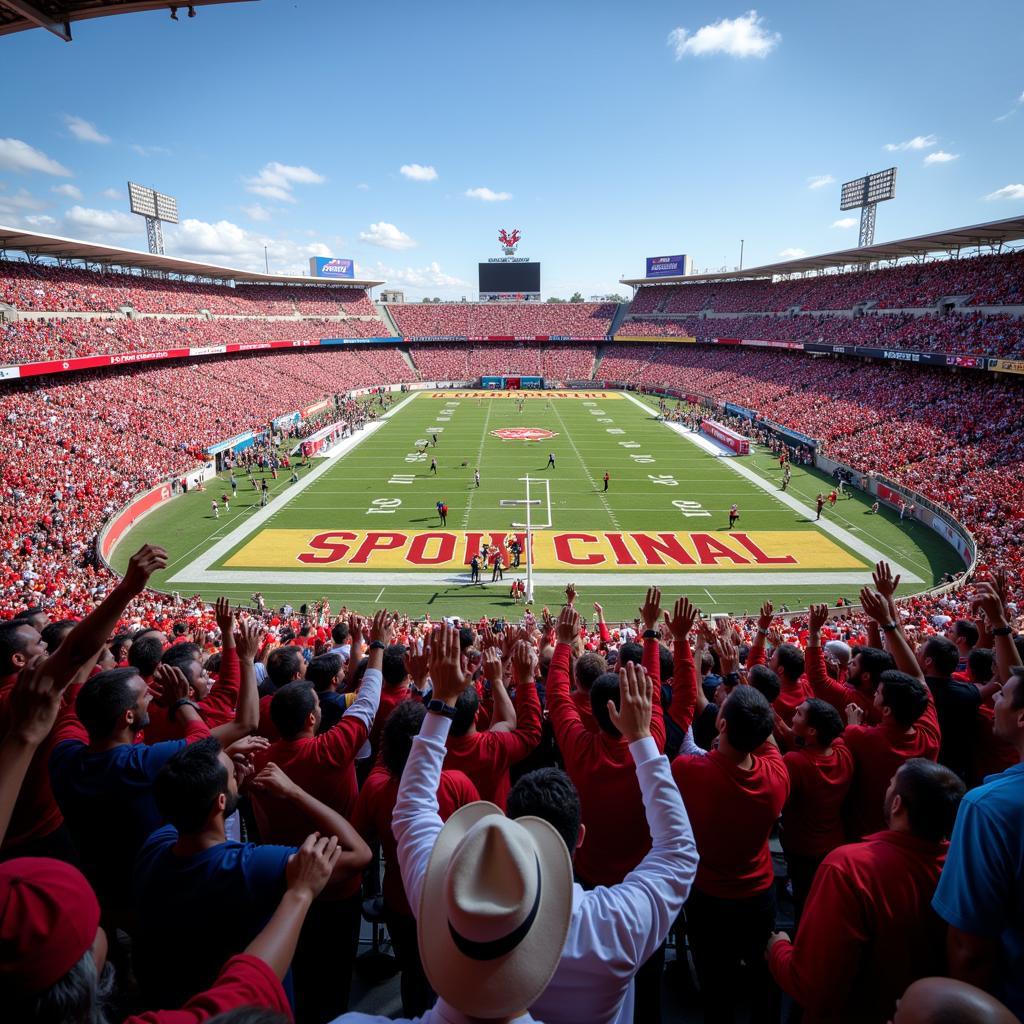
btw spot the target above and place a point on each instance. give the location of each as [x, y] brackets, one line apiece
[981, 889]
[107, 801]
[196, 912]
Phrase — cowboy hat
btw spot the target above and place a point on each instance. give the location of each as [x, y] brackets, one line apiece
[494, 911]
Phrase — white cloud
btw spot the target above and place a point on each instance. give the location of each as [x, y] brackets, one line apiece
[429, 278]
[417, 172]
[363, 187]
[113, 193]
[40, 220]
[940, 157]
[276, 180]
[15, 209]
[150, 150]
[1007, 192]
[792, 254]
[1006, 116]
[1020, 98]
[488, 195]
[256, 212]
[228, 244]
[745, 36]
[90, 223]
[387, 236]
[917, 142]
[16, 155]
[71, 191]
[820, 181]
[845, 222]
[84, 131]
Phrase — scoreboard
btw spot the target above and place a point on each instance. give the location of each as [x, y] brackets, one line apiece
[509, 281]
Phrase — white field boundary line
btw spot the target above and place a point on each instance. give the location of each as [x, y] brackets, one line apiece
[479, 459]
[847, 538]
[411, 578]
[195, 572]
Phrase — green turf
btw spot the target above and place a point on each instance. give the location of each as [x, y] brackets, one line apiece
[341, 499]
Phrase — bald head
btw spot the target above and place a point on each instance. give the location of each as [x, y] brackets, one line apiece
[945, 1001]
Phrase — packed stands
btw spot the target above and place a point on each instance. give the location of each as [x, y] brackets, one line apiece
[467, 362]
[503, 319]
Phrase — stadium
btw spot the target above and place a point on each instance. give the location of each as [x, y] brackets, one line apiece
[824, 454]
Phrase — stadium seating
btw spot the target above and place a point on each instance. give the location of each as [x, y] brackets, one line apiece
[503, 319]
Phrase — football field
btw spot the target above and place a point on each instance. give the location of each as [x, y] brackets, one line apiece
[361, 526]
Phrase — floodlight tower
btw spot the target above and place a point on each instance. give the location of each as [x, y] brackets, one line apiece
[155, 207]
[866, 193]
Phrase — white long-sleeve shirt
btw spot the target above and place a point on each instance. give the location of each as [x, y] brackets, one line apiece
[613, 930]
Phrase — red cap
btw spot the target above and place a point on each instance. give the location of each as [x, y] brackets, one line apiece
[48, 919]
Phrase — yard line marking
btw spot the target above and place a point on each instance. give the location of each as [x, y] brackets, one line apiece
[377, 598]
[710, 598]
[586, 472]
[750, 475]
[479, 459]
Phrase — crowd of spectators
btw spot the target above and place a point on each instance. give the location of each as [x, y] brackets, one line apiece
[588, 320]
[552, 361]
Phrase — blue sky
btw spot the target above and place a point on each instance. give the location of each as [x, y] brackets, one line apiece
[406, 135]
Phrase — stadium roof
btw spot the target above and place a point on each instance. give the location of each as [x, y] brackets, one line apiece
[90, 252]
[992, 233]
[56, 15]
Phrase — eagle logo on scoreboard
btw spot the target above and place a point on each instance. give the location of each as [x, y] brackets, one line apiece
[509, 240]
[523, 434]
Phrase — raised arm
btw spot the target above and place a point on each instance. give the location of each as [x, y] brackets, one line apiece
[764, 622]
[882, 611]
[684, 673]
[570, 734]
[988, 600]
[503, 715]
[244, 646]
[221, 703]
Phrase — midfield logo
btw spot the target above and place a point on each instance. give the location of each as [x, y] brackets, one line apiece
[523, 434]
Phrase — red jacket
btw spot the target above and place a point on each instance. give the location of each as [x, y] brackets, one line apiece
[216, 708]
[867, 932]
[836, 693]
[812, 820]
[733, 812]
[486, 756]
[878, 750]
[372, 819]
[601, 767]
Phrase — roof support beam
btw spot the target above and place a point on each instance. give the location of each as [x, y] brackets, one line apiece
[32, 13]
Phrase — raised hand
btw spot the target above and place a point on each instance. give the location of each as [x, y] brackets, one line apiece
[34, 702]
[172, 683]
[568, 625]
[854, 714]
[418, 665]
[248, 638]
[570, 593]
[273, 781]
[684, 615]
[146, 561]
[599, 612]
[225, 617]
[636, 699]
[492, 665]
[885, 582]
[309, 870]
[650, 610]
[764, 620]
[875, 606]
[987, 598]
[382, 629]
[817, 616]
[728, 656]
[247, 746]
[446, 664]
[524, 662]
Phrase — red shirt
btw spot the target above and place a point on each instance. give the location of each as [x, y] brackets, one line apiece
[837, 693]
[35, 813]
[486, 756]
[867, 931]
[812, 820]
[791, 697]
[732, 811]
[216, 708]
[390, 698]
[266, 726]
[878, 750]
[601, 767]
[324, 766]
[243, 981]
[372, 819]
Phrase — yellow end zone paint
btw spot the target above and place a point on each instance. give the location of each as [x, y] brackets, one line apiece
[622, 551]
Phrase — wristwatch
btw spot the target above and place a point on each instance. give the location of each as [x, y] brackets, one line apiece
[888, 627]
[1003, 631]
[650, 634]
[440, 708]
[180, 704]
[377, 646]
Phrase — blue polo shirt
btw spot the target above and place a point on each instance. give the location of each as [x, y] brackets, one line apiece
[981, 889]
[196, 912]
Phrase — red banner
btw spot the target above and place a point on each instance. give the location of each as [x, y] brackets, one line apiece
[737, 442]
[130, 513]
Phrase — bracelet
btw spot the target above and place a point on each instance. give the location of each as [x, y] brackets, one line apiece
[650, 634]
[762, 632]
[180, 704]
[1003, 631]
[888, 627]
[376, 645]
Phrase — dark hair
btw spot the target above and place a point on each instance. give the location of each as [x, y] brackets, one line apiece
[283, 665]
[466, 637]
[188, 784]
[588, 667]
[53, 633]
[323, 670]
[393, 664]
[979, 663]
[1017, 672]
[666, 665]
[748, 719]
[118, 644]
[791, 660]
[103, 699]
[12, 642]
[339, 633]
[931, 794]
[212, 663]
[966, 630]
[765, 681]
[824, 719]
[145, 654]
[291, 705]
[603, 689]
[183, 656]
[630, 652]
[943, 654]
[548, 793]
[905, 696]
[874, 662]
[400, 729]
[249, 1015]
[466, 708]
[179, 629]
[29, 613]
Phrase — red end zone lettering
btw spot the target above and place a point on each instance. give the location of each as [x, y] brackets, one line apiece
[564, 552]
[378, 542]
[332, 543]
[442, 543]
